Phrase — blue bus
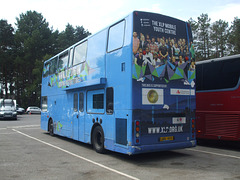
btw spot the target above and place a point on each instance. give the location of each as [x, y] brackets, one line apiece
[129, 88]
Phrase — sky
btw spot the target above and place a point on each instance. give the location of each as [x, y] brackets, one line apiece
[94, 15]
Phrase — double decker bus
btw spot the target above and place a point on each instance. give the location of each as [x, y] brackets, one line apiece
[218, 99]
[128, 88]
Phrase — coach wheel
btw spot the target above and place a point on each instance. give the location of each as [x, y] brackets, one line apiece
[98, 140]
[50, 127]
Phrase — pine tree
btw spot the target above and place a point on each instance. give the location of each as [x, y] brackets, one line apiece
[6, 57]
[234, 37]
[219, 37]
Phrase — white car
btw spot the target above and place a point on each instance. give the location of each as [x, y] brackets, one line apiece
[33, 110]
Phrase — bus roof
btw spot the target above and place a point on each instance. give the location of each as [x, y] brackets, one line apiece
[105, 29]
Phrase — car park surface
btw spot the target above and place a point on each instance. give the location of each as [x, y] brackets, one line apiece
[27, 152]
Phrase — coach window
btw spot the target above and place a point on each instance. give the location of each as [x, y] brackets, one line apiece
[230, 73]
[80, 53]
[63, 61]
[116, 36]
[109, 100]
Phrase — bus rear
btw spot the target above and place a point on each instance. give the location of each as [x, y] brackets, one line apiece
[163, 84]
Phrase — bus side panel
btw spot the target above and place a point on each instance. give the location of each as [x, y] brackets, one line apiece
[118, 73]
[218, 117]
[96, 58]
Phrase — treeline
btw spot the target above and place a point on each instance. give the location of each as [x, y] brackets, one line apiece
[23, 51]
[217, 39]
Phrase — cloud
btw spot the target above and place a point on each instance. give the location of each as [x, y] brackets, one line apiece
[226, 13]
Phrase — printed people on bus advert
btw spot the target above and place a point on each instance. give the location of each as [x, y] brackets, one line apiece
[153, 52]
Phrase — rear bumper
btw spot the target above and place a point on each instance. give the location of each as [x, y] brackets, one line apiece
[161, 147]
[8, 116]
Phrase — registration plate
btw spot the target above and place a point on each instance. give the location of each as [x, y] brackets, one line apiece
[168, 138]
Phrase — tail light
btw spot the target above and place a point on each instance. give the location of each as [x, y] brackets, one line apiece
[193, 128]
[137, 131]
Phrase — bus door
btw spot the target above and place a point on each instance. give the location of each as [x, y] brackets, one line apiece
[81, 117]
[78, 116]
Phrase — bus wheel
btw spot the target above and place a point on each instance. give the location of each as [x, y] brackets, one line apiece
[98, 139]
[50, 127]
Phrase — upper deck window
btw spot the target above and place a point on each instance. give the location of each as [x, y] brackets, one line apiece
[70, 57]
[63, 61]
[46, 69]
[116, 36]
[53, 66]
[80, 53]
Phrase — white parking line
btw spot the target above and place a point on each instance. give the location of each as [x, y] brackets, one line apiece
[218, 154]
[26, 126]
[8, 133]
[80, 157]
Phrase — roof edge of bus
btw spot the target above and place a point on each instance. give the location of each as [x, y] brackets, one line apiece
[111, 24]
[160, 14]
[88, 37]
[219, 59]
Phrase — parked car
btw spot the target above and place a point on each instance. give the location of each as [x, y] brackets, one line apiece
[20, 110]
[33, 110]
[8, 109]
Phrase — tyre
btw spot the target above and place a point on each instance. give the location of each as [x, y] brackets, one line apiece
[50, 127]
[98, 139]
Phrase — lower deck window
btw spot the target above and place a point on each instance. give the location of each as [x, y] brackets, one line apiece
[98, 101]
[95, 101]
[44, 103]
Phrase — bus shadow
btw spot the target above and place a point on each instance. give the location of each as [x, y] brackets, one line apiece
[78, 143]
[137, 158]
[150, 159]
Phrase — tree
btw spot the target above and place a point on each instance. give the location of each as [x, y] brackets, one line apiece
[234, 37]
[194, 27]
[71, 36]
[203, 45]
[6, 61]
[81, 33]
[34, 40]
[219, 37]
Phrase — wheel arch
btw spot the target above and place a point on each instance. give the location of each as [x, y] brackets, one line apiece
[49, 122]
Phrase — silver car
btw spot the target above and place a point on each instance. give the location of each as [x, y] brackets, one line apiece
[33, 110]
